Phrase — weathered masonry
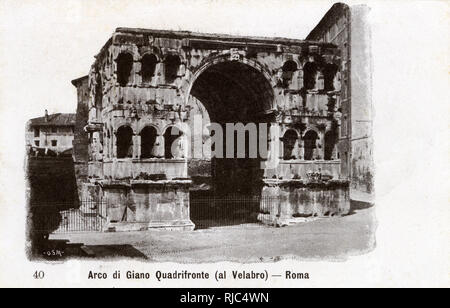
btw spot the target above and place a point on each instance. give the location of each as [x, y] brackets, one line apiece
[145, 83]
[347, 27]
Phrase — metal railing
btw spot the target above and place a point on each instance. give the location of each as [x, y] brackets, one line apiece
[205, 211]
[208, 211]
[60, 217]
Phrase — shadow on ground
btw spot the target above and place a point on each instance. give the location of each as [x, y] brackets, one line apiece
[358, 206]
[63, 249]
[205, 223]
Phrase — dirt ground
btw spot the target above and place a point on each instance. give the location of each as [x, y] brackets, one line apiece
[333, 238]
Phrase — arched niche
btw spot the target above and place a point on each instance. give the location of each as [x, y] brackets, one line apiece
[124, 137]
[310, 144]
[124, 68]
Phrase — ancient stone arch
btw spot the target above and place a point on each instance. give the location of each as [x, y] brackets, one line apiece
[124, 122]
[149, 50]
[222, 80]
[224, 58]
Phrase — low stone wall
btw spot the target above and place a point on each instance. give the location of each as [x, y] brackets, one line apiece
[298, 169]
[133, 169]
[286, 199]
[143, 204]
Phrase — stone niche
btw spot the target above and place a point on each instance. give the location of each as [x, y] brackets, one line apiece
[284, 201]
[143, 204]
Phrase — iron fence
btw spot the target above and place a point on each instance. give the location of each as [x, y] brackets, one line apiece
[209, 210]
[56, 217]
[205, 211]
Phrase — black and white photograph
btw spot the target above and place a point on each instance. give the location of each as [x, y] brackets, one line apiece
[201, 147]
[151, 133]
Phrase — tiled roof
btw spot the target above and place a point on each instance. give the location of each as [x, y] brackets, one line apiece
[56, 119]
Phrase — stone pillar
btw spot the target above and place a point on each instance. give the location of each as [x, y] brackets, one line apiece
[337, 82]
[158, 147]
[274, 151]
[275, 141]
[111, 145]
[114, 145]
[137, 69]
[300, 78]
[182, 146]
[105, 147]
[279, 146]
[301, 148]
[159, 74]
[319, 150]
[96, 146]
[320, 84]
[134, 149]
[137, 146]
[297, 149]
[334, 152]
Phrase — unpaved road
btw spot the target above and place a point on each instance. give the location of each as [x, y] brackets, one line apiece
[333, 238]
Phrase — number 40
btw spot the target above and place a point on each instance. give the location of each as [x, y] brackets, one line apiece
[38, 274]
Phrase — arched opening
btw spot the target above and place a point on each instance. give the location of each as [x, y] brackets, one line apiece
[310, 140]
[148, 138]
[289, 139]
[124, 142]
[148, 65]
[330, 143]
[239, 95]
[289, 67]
[171, 65]
[124, 68]
[173, 143]
[309, 75]
[329, 72]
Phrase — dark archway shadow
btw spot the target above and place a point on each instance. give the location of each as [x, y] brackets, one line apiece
[232, 93]
[201, 224]
[209, 210]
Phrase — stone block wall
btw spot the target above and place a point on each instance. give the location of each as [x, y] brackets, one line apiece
[148, 205]
[284, 200]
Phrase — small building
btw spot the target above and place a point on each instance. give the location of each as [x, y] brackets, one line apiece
[50, 167]
[52, 132]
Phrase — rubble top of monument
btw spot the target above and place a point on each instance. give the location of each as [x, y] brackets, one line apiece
[225, 37]
[143, 37]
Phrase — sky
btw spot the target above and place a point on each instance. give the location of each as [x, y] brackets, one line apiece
[50, 43]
